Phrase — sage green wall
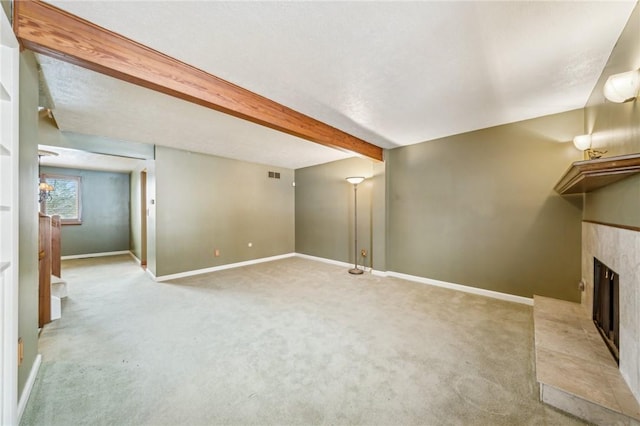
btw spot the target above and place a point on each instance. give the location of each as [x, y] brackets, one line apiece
[205, 202]
[324, 211]
[151, 218]
[105, 213]
[135, 232]
[479, 209]
[28, 223]
[616, 128]
[378, 251]
[617, 204]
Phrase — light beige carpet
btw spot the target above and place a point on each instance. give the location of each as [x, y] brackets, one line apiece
[289, 342]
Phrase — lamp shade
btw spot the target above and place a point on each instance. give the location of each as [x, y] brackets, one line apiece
[44, 186]
[622, 87]
[355, 179]
[582, 142]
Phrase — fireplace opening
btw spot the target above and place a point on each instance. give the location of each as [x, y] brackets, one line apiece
[606, 305]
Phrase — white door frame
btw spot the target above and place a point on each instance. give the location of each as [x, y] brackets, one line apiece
[9, 75]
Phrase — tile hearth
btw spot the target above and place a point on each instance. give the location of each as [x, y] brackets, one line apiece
[576, 372]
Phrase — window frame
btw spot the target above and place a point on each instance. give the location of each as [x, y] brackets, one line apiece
[78, 180]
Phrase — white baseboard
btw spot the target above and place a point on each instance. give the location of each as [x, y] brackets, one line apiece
[84, 256]
[324, 260]
[463, 288]
[219, 268]
[422, 280]
[339, 263]
[28, 387]
[138, 261]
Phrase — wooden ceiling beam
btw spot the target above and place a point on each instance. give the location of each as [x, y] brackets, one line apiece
[43, 28]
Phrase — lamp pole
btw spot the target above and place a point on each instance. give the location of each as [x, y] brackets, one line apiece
[355, 181]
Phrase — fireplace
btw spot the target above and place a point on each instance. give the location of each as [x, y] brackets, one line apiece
[606, 305]
[619, 250]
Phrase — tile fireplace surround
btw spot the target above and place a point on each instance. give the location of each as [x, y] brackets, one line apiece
[619, 249]
[575, 370]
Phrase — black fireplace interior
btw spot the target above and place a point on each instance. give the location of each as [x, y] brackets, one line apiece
[606, 303]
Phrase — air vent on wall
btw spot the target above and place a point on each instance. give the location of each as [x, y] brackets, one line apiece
[274, 175]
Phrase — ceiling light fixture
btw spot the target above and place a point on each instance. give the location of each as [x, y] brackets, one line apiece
[622, 87]
[583, 143]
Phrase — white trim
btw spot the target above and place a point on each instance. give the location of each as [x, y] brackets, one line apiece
[422, 280]
[28, 386]
[429, 281]
[463, 288]
[9, 224]
[138, 261]
[148, 271]
[324, 260]
[221, 267]
[85, 256]
[339, 263]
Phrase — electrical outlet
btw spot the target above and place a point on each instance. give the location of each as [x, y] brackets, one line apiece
[363, 252]
[216, 252]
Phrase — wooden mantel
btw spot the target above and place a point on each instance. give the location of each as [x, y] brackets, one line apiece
[589, 175]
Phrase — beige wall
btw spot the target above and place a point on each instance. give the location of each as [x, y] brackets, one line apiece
[616, 128]
[325, 216]
[28, 226]
[205, 202]
[479, 209]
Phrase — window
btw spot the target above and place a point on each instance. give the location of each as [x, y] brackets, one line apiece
[64, 200]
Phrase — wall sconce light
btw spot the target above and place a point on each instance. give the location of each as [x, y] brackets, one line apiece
[355, 180]
[583, 143]
[622, 87]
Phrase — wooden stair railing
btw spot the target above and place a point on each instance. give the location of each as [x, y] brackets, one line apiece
[44, 270]
[49, 263]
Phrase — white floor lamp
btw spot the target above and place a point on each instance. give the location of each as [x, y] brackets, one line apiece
[355, 180]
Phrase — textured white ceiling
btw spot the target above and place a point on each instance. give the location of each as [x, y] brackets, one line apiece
[94, 104]
[71, 158]
[392, 73]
